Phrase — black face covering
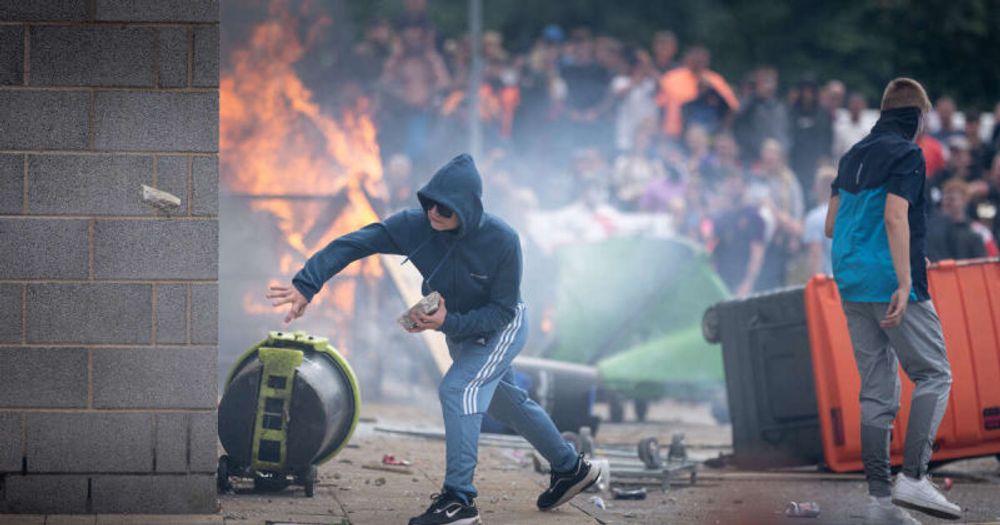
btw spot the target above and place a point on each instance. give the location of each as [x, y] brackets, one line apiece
[904, 121]
[920, 126]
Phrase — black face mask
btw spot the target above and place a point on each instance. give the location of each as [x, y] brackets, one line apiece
[905, 121]
[442, 210]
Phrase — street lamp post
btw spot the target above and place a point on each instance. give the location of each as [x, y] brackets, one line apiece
[475, 76]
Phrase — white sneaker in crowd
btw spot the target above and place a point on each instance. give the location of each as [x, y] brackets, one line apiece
[922, 495]
[881, 511]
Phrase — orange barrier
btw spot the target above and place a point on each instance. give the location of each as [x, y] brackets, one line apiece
[966, 295]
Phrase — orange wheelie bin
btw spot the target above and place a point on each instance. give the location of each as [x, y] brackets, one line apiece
[966, 296]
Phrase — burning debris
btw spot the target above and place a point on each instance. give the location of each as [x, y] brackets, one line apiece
[309, 167]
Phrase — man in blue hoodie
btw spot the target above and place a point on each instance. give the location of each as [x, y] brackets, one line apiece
[877, 219]
[473, 259]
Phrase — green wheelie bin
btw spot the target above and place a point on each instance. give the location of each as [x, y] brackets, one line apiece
[291, 402]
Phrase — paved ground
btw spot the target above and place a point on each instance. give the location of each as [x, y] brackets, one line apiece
[731, 496]
[350, 492]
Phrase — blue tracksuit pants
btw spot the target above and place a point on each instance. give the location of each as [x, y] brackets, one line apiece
[480, 379]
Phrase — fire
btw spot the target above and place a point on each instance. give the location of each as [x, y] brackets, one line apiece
[547, 323]
[311, 170]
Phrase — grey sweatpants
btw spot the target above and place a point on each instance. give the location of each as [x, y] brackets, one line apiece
[918, 345]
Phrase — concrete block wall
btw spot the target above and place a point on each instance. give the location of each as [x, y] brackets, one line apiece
[108, 321]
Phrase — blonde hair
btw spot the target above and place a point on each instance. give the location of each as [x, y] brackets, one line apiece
[905, 92]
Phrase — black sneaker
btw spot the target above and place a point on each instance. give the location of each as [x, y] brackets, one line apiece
[447, 508]
[563, 486]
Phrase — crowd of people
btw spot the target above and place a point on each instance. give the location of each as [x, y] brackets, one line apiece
[584, 122]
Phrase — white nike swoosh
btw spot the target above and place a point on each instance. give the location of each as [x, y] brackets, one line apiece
[568, 480]
[455, 506]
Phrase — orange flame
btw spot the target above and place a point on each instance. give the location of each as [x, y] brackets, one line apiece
[547, 322]
[276, 141]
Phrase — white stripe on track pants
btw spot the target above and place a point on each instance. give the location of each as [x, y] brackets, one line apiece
[480, 379]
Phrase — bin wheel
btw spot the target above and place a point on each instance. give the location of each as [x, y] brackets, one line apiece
[649, 453]
[309, 481]
[222, 476]
[269, 481]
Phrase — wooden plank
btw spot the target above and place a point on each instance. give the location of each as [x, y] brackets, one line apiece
[408, 282]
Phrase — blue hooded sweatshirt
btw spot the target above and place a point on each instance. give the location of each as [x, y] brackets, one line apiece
[886, 161]
[476, 268]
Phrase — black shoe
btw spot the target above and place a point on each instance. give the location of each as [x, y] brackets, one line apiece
[447, 508]
[563, 486]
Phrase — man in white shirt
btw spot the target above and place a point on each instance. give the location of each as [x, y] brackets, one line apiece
[849, 129]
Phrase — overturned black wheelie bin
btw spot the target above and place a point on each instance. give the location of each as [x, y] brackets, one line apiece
[769, 378]
[290, 403]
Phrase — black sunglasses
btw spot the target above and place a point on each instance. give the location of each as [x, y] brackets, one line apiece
[442, 210]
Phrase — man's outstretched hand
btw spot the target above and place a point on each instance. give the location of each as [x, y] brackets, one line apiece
[280, 295]
[428, 322]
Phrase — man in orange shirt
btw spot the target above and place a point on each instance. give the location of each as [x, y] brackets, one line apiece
[933, 154]
[680, 85]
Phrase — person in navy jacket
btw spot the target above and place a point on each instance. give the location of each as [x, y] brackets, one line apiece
[473, 259]
[877, 219]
